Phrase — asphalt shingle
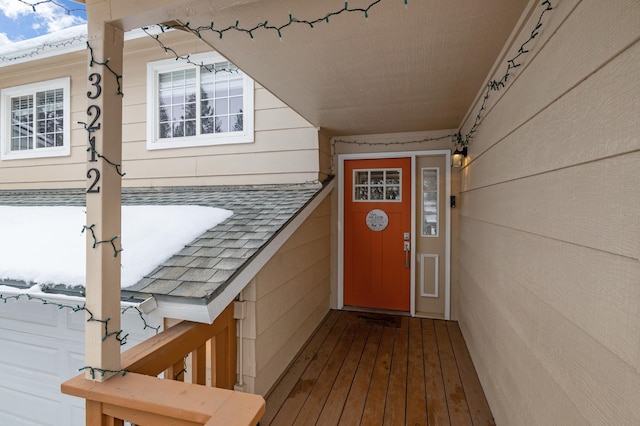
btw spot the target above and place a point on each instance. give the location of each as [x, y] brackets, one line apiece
[204, 267]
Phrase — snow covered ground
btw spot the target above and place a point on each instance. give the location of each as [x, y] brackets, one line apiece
[46, 245]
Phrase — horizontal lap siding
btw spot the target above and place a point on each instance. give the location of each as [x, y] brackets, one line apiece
[549, 224]
[288, 298]
[285, 147]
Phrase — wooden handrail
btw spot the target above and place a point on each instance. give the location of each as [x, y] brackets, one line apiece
[146, 400]
[141, 398]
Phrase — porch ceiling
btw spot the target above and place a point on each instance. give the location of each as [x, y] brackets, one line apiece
[410, 68]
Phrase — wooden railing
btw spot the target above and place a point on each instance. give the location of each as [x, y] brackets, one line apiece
[141, 398]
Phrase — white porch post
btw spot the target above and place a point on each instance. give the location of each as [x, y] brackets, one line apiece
[104, 190]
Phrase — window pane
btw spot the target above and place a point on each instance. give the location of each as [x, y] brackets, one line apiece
[362, 178]
[235, 105]
[430, 201]
[393, 193]
[190, 111]
[165, 114]
[222, 124]
[206, 91]
[235, 86]
[164, 81]
[165, 97]
[377, 193]
[221, 89]
[165, 130]
[177, 96]
[377, 177]
[362, 193]
[22, 123]
[178, 129]
[222, 106]
[207, 126]
[190, 128]
[393, 177]
[237, 122]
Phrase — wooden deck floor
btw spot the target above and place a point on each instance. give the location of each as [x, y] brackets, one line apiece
[373, 369]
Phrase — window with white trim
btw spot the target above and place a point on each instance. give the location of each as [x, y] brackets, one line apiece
[190, 105]
[35, 120]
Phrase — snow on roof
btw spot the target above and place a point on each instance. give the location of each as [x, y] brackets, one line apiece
[46, 245]
[70, 39]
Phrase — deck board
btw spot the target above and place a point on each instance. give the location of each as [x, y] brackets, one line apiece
[377, 394]
[456, 401]
[394, 413]
[417, 403]
[437, 410]
[354, 406]
[375, 369]
[335, 403]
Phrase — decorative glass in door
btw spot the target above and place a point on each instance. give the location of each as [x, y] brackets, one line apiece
[430, 202]
[377, 185]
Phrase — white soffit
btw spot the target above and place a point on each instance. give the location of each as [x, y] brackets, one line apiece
[402, 69]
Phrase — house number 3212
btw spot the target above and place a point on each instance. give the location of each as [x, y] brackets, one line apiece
[93, 111]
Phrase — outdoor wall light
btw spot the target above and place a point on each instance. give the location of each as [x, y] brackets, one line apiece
[458, 156]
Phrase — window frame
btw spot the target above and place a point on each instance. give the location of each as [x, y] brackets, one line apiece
[32, 89]
[154, 69]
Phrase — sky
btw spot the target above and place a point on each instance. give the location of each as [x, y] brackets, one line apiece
[46, 245]
[19, 22]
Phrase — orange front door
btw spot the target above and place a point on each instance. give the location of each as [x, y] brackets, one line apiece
[377, 226]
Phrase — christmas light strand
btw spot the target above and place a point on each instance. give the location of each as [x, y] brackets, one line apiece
[34, 6]
[496, 85]
[96, 242]
[277, 29]
[452, 137]
[118, 335]
[186, 58]
[93, 370]
[105, 63]
[79, 308]
[44, 47]
[92, 149]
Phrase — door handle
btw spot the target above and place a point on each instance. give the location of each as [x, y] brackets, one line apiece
[407, 249]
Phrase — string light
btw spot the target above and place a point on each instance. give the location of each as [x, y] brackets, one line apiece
[122, 339]
[79, 308]
[44, 47]
[496, 85]
[60, 5]
[187, 58]
[92, 371]
[93, 61]
[96, 242]
[334, 142]
[277, 29]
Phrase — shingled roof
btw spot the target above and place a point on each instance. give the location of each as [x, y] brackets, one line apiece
[203, 268]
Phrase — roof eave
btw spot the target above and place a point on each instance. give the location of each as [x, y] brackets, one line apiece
[206, 311]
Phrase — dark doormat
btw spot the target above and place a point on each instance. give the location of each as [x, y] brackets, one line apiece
[381, 320]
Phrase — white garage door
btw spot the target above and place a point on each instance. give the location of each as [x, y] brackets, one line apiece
[41, 346]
